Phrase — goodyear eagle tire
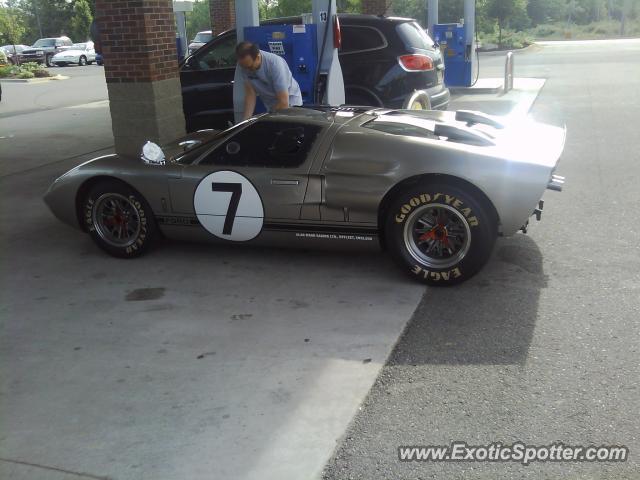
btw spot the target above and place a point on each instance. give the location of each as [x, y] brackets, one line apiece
[119, 219]
[440, 233]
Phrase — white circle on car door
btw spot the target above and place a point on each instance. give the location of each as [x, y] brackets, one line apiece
[229, 206]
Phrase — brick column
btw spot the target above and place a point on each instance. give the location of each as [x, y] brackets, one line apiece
[377, 7]
[223, 15]
[138, 40]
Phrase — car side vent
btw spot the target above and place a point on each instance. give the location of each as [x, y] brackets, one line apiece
[461, 135]
[471, 118]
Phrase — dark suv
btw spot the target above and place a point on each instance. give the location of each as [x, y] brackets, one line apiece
[386, 62]
[44, 49]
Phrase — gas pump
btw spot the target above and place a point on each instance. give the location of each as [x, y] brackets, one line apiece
[458, 46]
[297, 44]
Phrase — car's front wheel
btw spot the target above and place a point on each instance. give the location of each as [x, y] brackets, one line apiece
[119, 219]
[440, 233]
[49, 61]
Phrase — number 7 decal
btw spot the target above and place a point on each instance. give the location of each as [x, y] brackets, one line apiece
[237, 217]
[236, 192]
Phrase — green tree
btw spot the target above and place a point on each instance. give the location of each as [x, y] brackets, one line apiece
[81, 21]
[502, 11]
[199, 19]
[12, 27]
[543, 11]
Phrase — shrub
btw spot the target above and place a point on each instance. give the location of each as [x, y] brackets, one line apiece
[25, 75]
[30, 66]
[5, 71]
[41, 73]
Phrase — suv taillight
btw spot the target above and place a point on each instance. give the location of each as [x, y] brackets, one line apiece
[416, 63]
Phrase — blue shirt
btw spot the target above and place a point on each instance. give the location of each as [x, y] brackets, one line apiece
[273, 76]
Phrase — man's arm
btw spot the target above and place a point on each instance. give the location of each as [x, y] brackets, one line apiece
[282, 100]
[281, 78]
[249, 99]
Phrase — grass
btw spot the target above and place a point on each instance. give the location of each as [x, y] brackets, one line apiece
[605, 29]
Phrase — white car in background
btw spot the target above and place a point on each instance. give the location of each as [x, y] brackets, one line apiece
[200, 39]
[80, 54]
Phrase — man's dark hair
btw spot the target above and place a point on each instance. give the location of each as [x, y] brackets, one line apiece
[247, 48]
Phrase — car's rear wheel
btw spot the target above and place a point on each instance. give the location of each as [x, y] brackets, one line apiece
[440, 233]
[83, 61]
[418, 101]
[119, 219]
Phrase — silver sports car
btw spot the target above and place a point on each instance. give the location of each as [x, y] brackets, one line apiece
[433, 188]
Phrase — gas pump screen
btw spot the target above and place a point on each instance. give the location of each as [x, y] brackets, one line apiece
[277, 48]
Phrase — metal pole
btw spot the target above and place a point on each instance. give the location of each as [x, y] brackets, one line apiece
[432, 15]
[508, 73]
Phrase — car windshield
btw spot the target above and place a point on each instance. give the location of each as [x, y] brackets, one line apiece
[45, 42]
[414, 36]
[203, 37]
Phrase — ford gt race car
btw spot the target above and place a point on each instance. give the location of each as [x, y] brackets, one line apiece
[433, 188]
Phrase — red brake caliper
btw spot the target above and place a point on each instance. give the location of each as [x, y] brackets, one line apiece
[439, 233]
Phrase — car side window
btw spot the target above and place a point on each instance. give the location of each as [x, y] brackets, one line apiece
[220, 55]
[266, 144]
[361, 38]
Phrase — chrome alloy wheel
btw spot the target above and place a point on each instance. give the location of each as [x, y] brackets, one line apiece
[437, 236]
[116, 220]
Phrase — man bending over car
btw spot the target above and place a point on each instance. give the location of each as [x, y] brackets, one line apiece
[268, 76]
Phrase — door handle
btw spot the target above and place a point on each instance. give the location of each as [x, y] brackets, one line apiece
[284, 182]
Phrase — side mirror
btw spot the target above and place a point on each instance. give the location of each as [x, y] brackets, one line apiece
[190, 63]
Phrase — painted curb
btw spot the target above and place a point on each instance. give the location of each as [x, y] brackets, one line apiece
[33, 80]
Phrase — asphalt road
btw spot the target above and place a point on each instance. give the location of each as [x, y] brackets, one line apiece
[84, 85]
[542, 346]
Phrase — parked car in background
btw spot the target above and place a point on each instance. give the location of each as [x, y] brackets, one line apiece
[79, 54]
[386, 62]
[199, 40]
[13, 53]
[44, 50]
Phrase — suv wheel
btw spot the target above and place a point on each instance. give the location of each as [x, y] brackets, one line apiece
[418, 101]
[49, 61]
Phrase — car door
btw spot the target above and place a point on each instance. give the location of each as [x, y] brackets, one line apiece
[256, 177]
[207, 84]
